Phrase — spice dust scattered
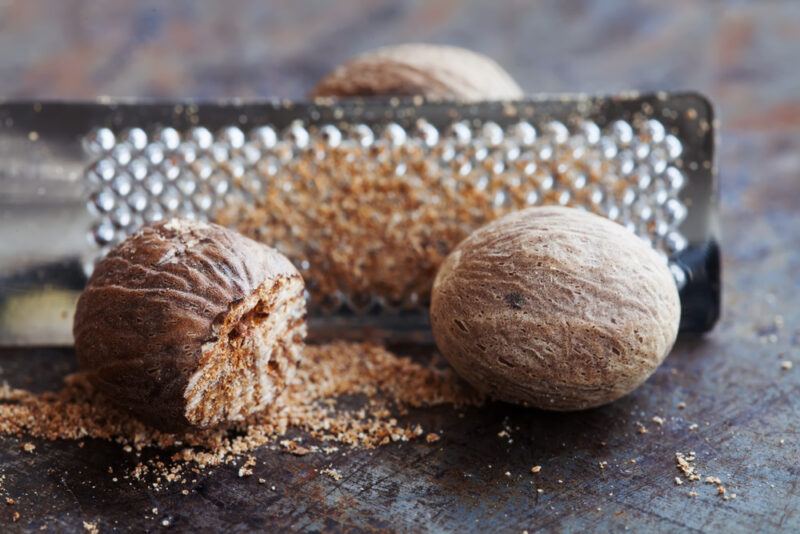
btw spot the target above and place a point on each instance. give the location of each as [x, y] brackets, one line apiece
[686, 465]
[310, 405]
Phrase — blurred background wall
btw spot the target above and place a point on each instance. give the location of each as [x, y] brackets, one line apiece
[744, 55]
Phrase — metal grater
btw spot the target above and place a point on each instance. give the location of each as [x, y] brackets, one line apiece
[77, 178]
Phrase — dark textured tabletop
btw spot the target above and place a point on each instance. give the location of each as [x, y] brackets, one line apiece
[742, 405]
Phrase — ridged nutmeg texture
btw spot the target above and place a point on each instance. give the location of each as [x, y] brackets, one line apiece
[554, 308]
[188, 324]
[433, 71]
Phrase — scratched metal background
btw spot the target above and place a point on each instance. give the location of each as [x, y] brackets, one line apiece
[748, 409]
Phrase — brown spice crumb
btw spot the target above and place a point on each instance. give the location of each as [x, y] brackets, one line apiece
[718, 483]
[15, 516]
[28, 447]
[333, 473]
[247, 469]
[658, 420]
[91, 528]
[640, 428]
[292, 447]
[432, 437]
[308, 405]
[692, 494]
[536, 468]
[685, 465]
[681, 405]
[10, 501]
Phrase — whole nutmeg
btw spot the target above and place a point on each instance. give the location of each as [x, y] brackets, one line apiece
[433, 71]
[188, 325]
[554, 308]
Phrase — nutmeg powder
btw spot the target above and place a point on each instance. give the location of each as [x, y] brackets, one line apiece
[389, 384]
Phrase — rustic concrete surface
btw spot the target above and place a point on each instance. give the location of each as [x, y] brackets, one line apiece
[746, 406]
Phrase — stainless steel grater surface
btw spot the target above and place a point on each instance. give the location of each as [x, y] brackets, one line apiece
[365, 196]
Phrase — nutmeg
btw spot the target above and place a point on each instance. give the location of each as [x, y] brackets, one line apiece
[433, 71]
[554, 308]
[187, 324]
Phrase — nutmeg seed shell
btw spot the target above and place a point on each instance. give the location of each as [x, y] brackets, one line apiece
[554, 308]
[187, 324]
[432, 71]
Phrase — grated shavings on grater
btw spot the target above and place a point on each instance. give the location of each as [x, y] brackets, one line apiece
[368, 213]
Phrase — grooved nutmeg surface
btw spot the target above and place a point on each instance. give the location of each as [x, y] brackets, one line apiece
[187, 324]
[554, 308]
[433, 71]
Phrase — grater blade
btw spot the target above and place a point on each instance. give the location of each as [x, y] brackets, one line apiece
[77, 178]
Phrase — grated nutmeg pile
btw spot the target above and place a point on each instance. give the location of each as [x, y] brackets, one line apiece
[389, 384]
[378, 221]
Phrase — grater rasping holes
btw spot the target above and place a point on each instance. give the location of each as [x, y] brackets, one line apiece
[367, 197]
[629, 175]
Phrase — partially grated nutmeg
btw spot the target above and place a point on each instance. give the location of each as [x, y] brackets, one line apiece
[190, 325]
